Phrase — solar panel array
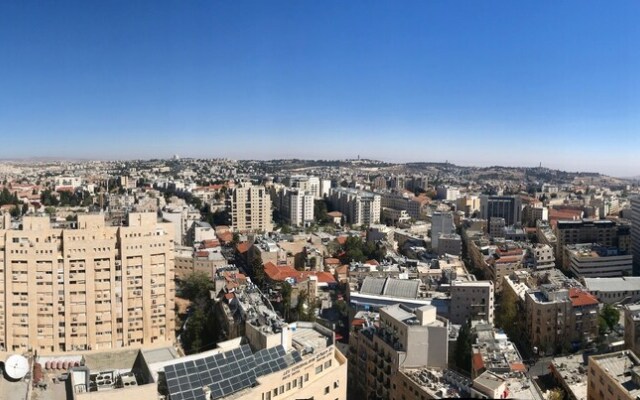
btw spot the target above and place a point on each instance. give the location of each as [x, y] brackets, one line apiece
[225, 373]
[274, 359]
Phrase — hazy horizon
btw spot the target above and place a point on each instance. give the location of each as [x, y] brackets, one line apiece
[474, 83]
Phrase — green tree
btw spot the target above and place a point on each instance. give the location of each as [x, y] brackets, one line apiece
[193, 340]
[257, 270]
[48, 199]
[235, 239]
[6, 197]
[463, 352]
[556, 394]
[320, 211]
[15, 211]
[507, 314]
[285, 293]
[196, 287]
[306, 307]
[610, 315]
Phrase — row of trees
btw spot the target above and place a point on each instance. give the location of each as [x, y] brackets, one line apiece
[6, 197]
[66, 199]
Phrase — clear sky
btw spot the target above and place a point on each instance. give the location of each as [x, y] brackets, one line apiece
[472, 82]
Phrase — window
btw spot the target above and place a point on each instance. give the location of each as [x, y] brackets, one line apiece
[326, 390]
[318, 369]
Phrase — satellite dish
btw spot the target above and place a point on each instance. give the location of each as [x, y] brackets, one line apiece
[16, 367]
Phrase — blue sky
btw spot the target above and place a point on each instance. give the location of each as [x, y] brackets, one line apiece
[472, 82]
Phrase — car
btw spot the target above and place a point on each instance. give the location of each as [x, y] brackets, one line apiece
[63, 377]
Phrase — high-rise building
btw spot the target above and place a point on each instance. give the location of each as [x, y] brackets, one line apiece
[507, 207]
[360, 207]
[441, 223]
[250, 207]
[92, 287]
[635, 233]
[306, 184]
[448, 193]
[301, 208]
[295, 206]
[604, 232]
[401, 338]
[403, 201]
[589, 260]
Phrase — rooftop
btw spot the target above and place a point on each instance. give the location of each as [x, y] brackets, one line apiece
[391, 287]
[439, 384]
[621, 366]
[573, 371]
[580, 298]
[617, 284]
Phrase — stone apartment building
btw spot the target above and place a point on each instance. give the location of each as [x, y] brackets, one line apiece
[359, 207]
[559, 317]
[400, 338]
[473, 300]
[613, 376]
[250, 208]
[92, 287]
[604, 232]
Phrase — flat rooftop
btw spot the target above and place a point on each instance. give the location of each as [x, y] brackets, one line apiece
[617, 284]
[620, 366]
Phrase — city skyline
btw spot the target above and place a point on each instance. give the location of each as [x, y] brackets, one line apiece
[493, 83]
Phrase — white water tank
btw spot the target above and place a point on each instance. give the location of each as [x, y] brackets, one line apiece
[16, 366]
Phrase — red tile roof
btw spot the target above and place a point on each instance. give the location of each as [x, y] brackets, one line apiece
[518, 367]
[276, 273]
[244, 247]
[580, 298]
[208, 244]
[331, 261]
[508, 259]
[225, 237]
[334, 214]
[478, 364]
[372, 262]
[202, 254]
